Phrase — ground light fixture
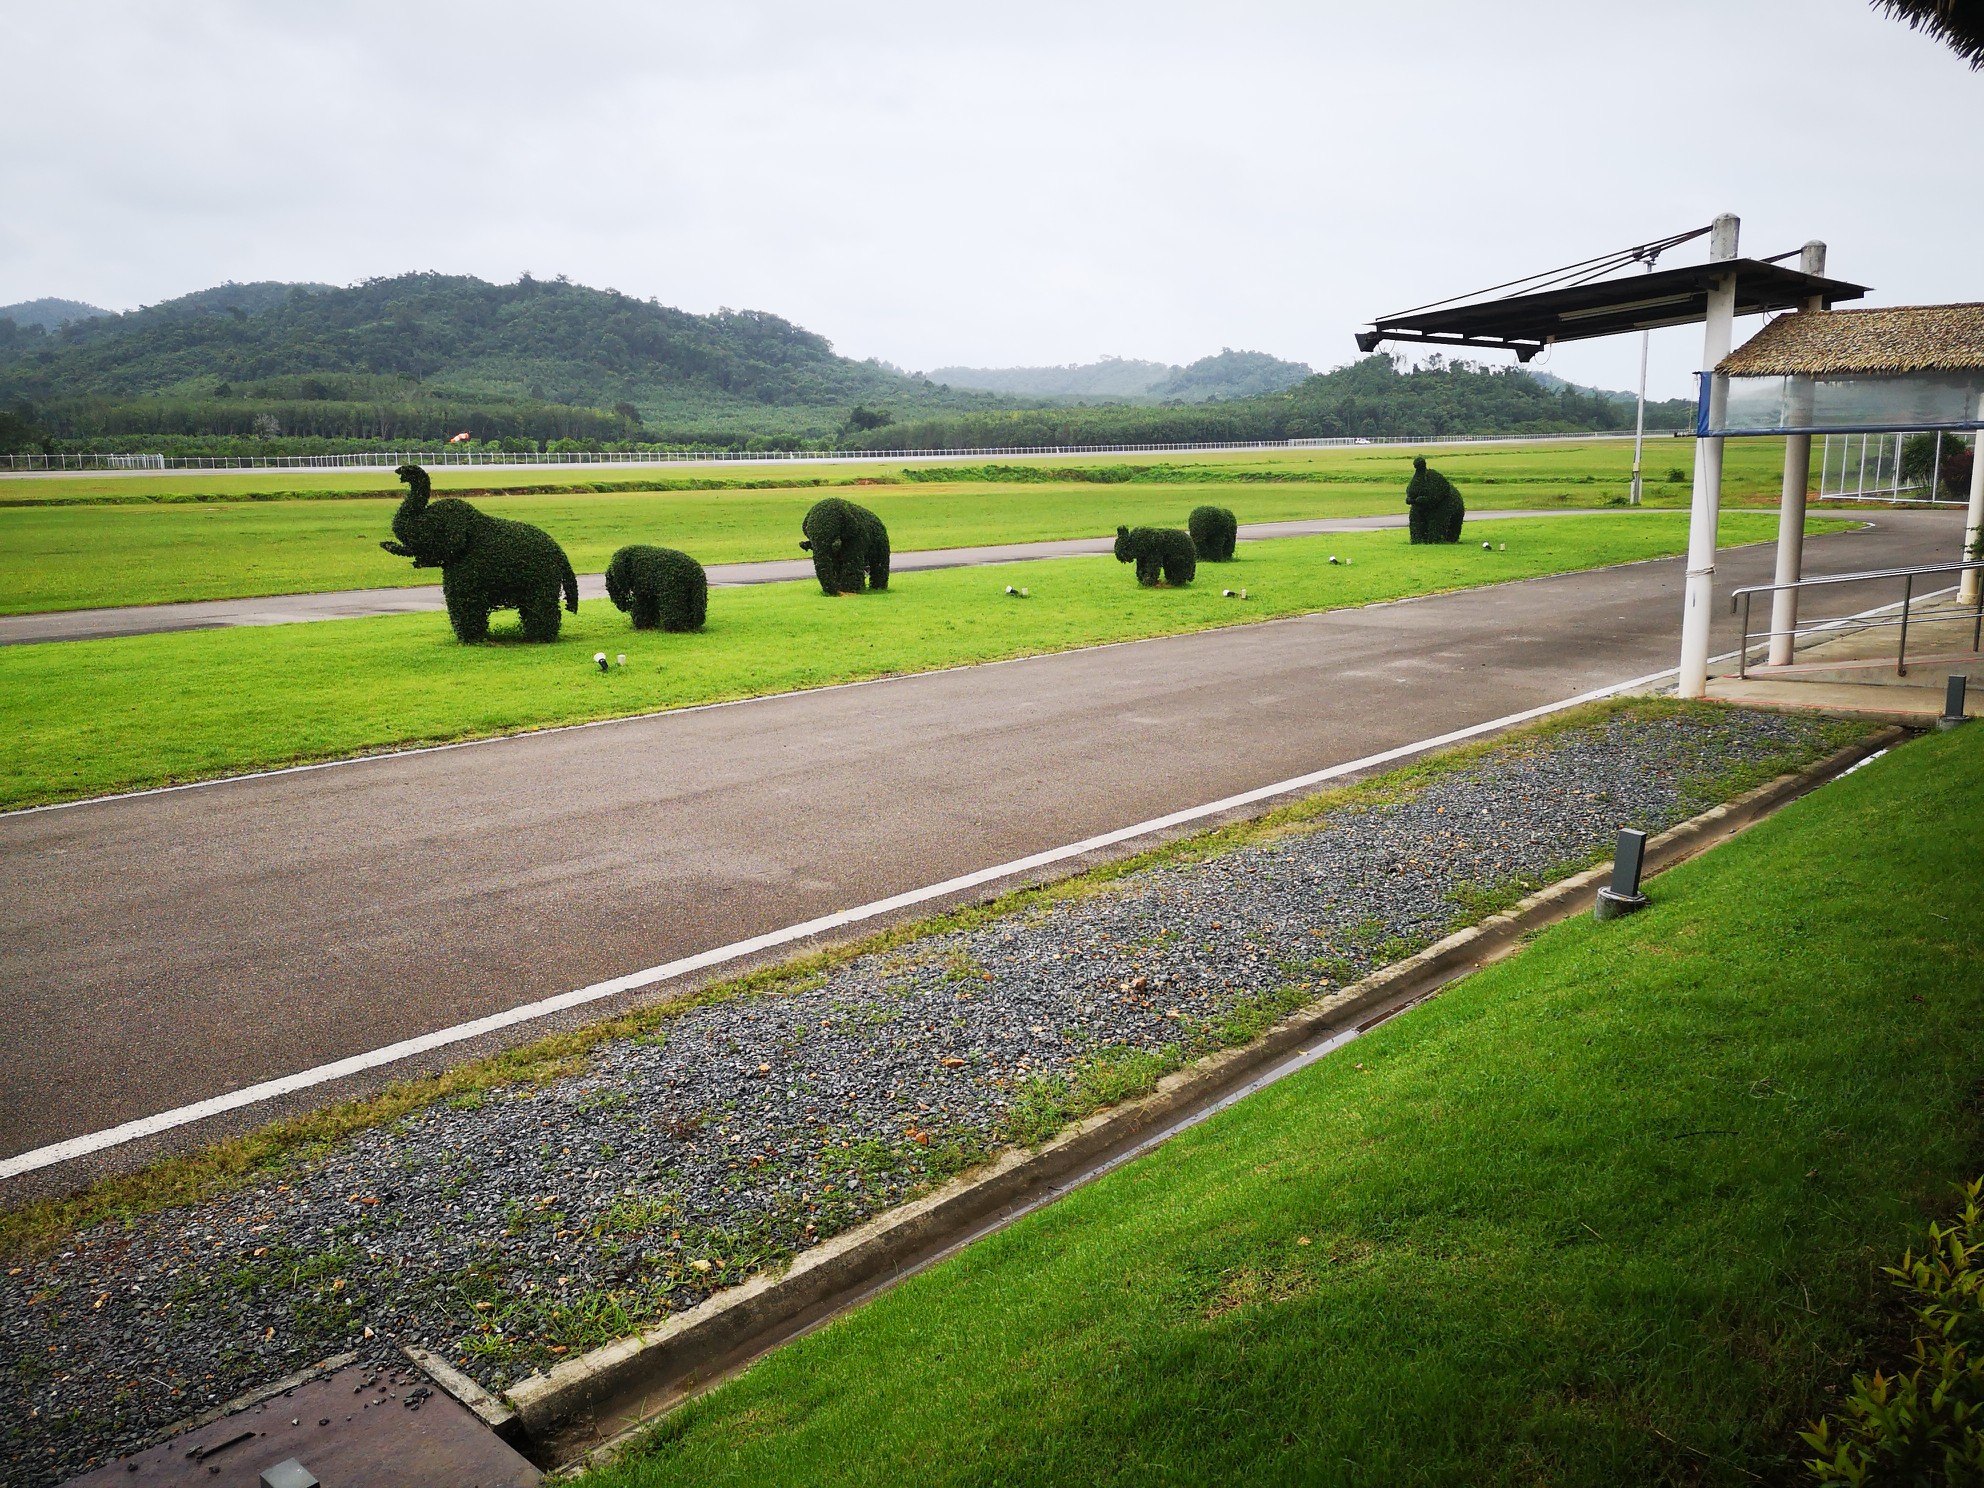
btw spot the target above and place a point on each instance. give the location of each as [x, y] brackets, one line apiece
[1953, 699]
[1622, 896]
[599, 660]
[1016, 593]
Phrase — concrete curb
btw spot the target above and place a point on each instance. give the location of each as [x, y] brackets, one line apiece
[589, 1402]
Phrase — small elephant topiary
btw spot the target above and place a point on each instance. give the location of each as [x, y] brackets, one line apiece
[1158, 550]
[662, 588]
[1214, 531]
[487, 563]
[848, 543]
[1436, 508]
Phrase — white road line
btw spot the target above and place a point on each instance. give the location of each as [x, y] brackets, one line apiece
[146, 1126]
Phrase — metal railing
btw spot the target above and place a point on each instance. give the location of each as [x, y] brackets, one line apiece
[1906, 609]
[386, 460]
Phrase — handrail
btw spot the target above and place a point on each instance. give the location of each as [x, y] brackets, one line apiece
[1853, 578]
[1908, 576]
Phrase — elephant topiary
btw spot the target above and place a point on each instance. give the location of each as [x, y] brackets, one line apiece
[487, 563]
[847, 542]
[1214, 530]
[1156, 550]
[1437, 510]
[664, 589]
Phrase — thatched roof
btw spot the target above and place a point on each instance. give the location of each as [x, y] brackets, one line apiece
[1908, 338]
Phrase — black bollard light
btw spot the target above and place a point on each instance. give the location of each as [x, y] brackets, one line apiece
[1622, 896]
[1953, 697]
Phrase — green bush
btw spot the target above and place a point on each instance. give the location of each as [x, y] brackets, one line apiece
[663, 588]
[487, 563]
[1923, 1424]
[847, 542]
[1158, 551]
[1214, 530]
[1436, 508]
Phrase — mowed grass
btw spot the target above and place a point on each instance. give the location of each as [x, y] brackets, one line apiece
[58, 557]
[1609, 1212]
[86, 717]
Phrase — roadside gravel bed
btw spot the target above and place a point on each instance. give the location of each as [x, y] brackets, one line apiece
[510, 1229]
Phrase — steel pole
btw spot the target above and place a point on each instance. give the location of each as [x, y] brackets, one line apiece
[1696, 612]
[1972, 584]
[1639, 418]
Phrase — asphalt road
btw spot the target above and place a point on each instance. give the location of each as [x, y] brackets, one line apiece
[355, 604]
[162, 949]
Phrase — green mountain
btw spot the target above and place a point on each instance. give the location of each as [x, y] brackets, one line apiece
[1368, 399]
[426, 355]
[1231, 374]
[48, 314]
[273, 368]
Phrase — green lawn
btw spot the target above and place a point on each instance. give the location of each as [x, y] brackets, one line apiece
[1609, 1212]
[55, 557]
[85, 717]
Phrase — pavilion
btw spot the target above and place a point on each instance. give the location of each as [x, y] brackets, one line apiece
[1817, 370]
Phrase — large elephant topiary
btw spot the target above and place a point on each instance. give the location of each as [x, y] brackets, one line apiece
[487, 563]
[1214, 531]
[1436, 508]
[663, 589]
[847, 542]
[1158, 550]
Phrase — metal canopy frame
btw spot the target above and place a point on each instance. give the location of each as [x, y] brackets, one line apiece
[1527, 323]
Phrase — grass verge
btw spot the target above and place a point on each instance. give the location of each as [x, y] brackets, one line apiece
[267, 1153]
[85, 718]
[219, 535]
[1611, 1211]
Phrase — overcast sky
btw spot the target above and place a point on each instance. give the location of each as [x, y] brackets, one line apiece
[990, 185]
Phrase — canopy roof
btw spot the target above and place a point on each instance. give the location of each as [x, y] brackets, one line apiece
[1526, 323]
[1907, 338]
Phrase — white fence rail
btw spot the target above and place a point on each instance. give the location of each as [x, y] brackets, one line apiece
[1867, 467]
[386, 460]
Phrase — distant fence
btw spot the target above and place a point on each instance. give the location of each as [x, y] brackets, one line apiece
[386, 460]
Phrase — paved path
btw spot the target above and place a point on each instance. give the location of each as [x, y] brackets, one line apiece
[166, 948]
[352, 604]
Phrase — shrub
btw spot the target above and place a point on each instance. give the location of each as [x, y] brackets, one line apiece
[1676, 475]
[1214, 530]
[487, 563]
[662, 588]
[1158, 550]
[1436, 508]
[1925, 1423]
[1956, 471]
[847, 542]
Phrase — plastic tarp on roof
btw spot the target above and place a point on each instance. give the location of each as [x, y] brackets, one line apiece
[1844, 404]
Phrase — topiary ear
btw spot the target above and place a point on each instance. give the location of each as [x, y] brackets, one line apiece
[1122, 532]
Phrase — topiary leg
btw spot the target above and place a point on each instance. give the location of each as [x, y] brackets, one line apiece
[878, 565]
[469, 617]
[539, 614]
[646, 612]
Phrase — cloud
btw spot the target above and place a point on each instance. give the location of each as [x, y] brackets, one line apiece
[1024, 183]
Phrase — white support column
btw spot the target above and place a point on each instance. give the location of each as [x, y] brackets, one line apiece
[1707, 509]
[1791, 503]
[1973, 523]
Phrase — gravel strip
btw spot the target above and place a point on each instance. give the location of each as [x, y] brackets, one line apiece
[510, 1229]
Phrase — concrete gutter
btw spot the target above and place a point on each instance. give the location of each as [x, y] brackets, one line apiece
[589, 1405]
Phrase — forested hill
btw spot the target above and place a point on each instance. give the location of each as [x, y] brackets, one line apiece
[1231, 374]
[394, 356]
[49, 313]
[1369, 398]
[274, 368]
